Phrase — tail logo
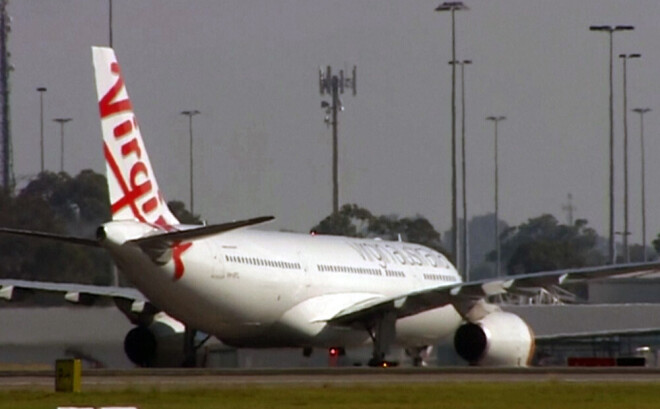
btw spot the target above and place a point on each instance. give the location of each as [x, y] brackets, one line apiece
[139, 182]
[177, 251]
[108, 105]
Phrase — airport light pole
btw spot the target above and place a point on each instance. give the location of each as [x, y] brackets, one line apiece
[496, 120]
[6, 157]
[110, 23]
[62, 121]
[641, 112]
[623, 234]
[190, 115]
[625, 58]
[611, 30]
[453, 6]
[569, 208]
[465, 265]
[41, 90]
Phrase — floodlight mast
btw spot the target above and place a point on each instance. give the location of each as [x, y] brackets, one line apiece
[335, 85]
[569, 208]
[190, 114]
[498, 269]
[626, 248]
[41, 91]
[62, 121]
[110, 23]
[610, 30]
[6, 157]
[453, 6]
[641, 112]
[464, 259]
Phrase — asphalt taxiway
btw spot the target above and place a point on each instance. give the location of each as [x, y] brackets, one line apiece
[199, 378]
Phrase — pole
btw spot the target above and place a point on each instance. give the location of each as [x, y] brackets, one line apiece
[497, 210]
[41, 124]
[190, 115]
[335, 146]
[454, 215]
[641, 112]
[610, 30]
[62, 121]
[452, 7]
[611, 238]
[61, 147]
[569, 208]
[334, 85]
[466, 249]
[498, 268]
[626, 248]
[110, 23]
[641, 120]
[7, 159]
[192, 196]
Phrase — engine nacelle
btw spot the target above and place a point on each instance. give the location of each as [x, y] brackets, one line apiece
[158, 345]
[498, 339]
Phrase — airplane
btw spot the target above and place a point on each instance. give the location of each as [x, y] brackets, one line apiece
[266, 289]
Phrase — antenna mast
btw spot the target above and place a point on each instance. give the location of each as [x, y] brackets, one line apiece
[334, 86]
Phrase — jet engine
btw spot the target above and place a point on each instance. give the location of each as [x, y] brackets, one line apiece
[498, 339]
[159, 344]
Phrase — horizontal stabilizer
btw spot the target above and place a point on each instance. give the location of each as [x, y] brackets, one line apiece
[50, 236]
[200, 232]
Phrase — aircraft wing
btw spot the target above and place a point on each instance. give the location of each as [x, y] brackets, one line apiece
[129, 300]
[464, 296]
[596, 334]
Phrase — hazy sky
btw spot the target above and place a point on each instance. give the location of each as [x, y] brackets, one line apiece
[251, 68]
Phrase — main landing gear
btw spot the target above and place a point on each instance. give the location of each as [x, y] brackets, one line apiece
[418, 354]
[190, 347]
[382, 332]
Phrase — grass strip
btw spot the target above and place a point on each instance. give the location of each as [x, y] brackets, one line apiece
[538, 395]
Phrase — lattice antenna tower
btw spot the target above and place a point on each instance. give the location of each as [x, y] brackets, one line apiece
[334, 86]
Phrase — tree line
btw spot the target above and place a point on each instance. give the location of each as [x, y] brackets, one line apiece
[67, 205]
[77, 205]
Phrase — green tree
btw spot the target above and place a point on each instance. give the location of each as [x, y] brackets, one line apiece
[56, 203]
[543, 244]
[178, 209]
[59, 203]
[637, 253]
[355, 221]
[656, 246]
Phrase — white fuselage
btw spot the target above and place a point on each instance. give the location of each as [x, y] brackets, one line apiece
[256, 288]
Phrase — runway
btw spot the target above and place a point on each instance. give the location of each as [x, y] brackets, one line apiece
[95, 379]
